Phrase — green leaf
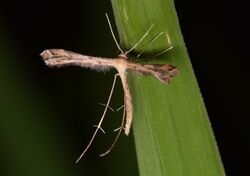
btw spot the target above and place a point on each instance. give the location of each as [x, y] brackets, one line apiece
[173, 135]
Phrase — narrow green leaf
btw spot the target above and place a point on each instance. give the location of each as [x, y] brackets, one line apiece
[172, 132]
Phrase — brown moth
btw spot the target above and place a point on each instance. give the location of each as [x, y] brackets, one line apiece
[163, 72]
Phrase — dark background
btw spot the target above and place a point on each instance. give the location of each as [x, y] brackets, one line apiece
[46, 114]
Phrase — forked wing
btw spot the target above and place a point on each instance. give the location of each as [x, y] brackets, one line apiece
[60, 57]
[163, 72]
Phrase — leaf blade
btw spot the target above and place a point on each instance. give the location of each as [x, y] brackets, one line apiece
[172, 132]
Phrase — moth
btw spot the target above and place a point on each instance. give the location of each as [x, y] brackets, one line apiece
[163, 72]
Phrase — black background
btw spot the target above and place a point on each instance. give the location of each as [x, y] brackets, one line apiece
[216, 35]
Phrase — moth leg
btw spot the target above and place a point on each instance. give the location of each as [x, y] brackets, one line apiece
[164, 51]
[118, 109]
[101, 120]
[117, 136]
[112, 109]
[149, 44]
[102, 130]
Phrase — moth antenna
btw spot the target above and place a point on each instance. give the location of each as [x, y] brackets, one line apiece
[140, 40]
[150, 44]
[117, 136]
[113, 35]
[100, 122]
